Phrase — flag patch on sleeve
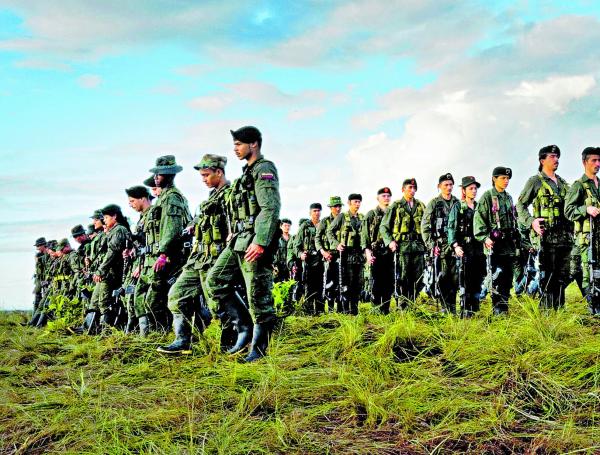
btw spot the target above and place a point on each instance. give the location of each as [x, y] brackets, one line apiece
[267, 176]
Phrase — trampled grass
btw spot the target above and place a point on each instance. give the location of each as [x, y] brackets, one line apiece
[409, 382]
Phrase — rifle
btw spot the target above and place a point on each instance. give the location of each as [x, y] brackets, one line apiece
[462, 291]
[396, 292]
[593, 290]
[341, 288]
[491, 276]
[437, 270]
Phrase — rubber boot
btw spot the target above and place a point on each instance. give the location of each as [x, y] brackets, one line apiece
[242, 322]
[183, 336]
[228, 336]
[105, 319]
[144, 324]
[41, 321]
[260, 340]
[92, 323]
[34, 319]
[132, 324]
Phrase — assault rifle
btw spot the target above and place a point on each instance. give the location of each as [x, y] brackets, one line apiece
[462, 291]
[490, 278]
[593, 290]
[342, 289]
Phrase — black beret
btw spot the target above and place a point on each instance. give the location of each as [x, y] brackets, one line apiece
[544, 151]
[355, 197]
[501, 170]
[469, 180]
[411, 181]
[445, 177]
[111, 209]
[138, 192]
[590, 151]
[77, 230]
[247, 135]
[316, 205]
[40, 242]
[384, 190]
[90, 229]
[285, 220]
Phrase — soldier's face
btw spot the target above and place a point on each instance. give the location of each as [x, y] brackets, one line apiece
[159, 180]
[446, 187]
[409, 192]
[285, 228]
[354, 205]
[384, 199]
[550, 162]
[97, 223]
[135, 204]
[210, 178]
[41, 249]
[336, 209]
[155, 191]
[241, 149]
[592, 164]
[471, 191]
[110, 221]
[80, 238]
[315, 215]
[501, 182]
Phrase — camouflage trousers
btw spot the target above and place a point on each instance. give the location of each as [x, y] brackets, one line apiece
[152, 288]
[555, 263]
[448, 285]
[185, 295]
[381, 274]
[258, 279]
[410, 268]
[102, 299]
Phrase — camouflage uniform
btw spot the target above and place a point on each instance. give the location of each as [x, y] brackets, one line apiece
[434, 230]
[312, 268]
[460, 233]
[582, 194]
[345, 229]
[330, 269]
[555, 246]
[280, 263]
[495, 218]
[381, 273]
[402, 223]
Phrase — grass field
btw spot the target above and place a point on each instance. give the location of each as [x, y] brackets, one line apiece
[413, 382]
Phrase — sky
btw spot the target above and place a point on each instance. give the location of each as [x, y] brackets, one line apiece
[350, 96]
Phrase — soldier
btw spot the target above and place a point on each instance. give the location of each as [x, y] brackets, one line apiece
[281, 271]
[211, 229]
[312, 266]
[254, 204]
[344, 236]
[139, 200]
[41, 263]
[468, 251]
[65, 279]
[78, 265]
[401, 232]
[495, 224]
[329, 255]
[582, 206]
[154, 190]
[96, 252]
[108, 275]
[551, 232]
[164, 225]
[434, 229]
[380, 260]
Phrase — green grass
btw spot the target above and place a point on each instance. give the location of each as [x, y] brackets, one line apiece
[413, 382]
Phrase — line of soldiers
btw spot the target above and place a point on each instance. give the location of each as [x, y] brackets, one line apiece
[176, 270]
[173, 269]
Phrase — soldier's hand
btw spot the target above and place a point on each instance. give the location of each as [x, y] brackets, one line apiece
[326, 255]
[87, 262]
[253, 252]
[97, 278]
[436, 250]
[370, 257]
[340, 247]
[458, 251]
[537, 226]
[303, 255]
[160, 263]
[592, 211]
[136, 273]
[489, 243]
[393, 246]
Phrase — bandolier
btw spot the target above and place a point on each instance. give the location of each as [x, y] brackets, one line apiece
[554, 247]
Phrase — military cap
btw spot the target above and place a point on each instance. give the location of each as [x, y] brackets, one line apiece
[590, 151]
[545, 151]
[410, 181]
[335, 200]
[285, 220]
[469, 180]
[51, 244]
[111, 209]
[40, 242]
[62, 244]
[138, 192]
[90, 229]
[354, 197]
[501, 170]
[77, 230]
[302, 221]
[384, 190]
[166, 165]
[445, 177]
[97, 215]
[247, 135]
[316, 205]
[210, 161]
[150, 182]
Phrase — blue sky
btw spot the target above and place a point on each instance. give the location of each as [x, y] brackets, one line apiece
[350, 96]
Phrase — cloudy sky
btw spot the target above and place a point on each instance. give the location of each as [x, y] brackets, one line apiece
[350, 96]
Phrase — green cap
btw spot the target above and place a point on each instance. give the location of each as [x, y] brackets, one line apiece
[61, 244]
[51, 244]
[90, 229]
[150, 182]
[97, 215]
[166, 165]
[40, 242]
[335, 200]
[501, 170]
[77, 230]
[210, 161]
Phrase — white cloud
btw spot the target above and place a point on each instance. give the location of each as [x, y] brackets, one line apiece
[89, 81]
[306, 113]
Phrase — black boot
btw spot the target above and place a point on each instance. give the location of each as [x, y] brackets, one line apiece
[242, 322]
[41, 321]
[183, 336]
[132, 324]
[228, 336]
[92, 323]
[34, 319]
[105, 322]
[260, 340]
[144, 324]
